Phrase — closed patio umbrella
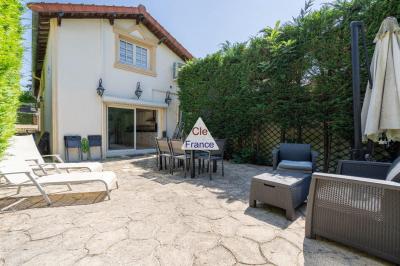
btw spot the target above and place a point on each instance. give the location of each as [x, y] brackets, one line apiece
[381, 109]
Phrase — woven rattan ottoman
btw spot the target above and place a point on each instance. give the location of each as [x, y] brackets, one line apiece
[286, 190]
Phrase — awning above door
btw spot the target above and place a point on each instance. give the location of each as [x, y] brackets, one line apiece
[119, 100]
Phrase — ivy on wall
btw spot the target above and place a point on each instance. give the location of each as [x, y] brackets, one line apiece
[295, 75]
[10, 65]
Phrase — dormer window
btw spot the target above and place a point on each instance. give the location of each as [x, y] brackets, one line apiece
[135, 52]
[134, 55]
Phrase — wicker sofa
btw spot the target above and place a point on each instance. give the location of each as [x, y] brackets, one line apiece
[357, 207]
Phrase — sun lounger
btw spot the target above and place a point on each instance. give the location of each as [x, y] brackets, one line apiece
[24, 147]
[17, 173]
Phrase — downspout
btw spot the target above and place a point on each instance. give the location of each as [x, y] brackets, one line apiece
[38, 79]
[39, 103]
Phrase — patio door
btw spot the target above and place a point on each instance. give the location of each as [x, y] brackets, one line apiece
[130, 129]
[121, 129]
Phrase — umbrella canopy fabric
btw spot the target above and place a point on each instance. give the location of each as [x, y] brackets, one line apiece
[381, 109]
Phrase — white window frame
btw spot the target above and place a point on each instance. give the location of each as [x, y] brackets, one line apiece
[134, 53]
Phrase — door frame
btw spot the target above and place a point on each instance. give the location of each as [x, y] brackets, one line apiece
[107, 128]
[110, 153]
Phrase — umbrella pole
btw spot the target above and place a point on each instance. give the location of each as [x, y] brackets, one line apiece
[355, 60]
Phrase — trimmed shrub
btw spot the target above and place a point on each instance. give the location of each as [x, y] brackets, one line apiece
[296, 75]
[10, 66]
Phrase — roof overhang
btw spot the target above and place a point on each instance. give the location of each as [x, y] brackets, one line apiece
[128, 101]
[43, 12]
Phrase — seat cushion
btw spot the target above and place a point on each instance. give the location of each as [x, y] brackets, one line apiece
[394, 171]
[93, 166]
[295, 152]
[107, 177]
[304, 166]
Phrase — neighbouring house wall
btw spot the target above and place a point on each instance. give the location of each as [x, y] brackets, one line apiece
[46, 72]
[46, 88]
[86, 52]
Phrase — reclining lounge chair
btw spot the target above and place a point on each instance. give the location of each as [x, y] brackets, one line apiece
[24, 147]
[17, 173]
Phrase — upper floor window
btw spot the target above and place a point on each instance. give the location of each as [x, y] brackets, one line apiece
[135, 52]
[133, 55]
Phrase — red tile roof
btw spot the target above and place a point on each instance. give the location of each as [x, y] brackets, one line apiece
[48, 10]
[80, 8]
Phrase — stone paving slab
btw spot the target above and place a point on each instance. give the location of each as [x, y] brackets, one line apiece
[158, 219]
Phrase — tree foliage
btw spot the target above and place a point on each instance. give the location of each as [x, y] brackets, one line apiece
[295, 75]
[10, 65]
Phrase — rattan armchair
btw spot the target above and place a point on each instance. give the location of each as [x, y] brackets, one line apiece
[300, 155]
[357, 207]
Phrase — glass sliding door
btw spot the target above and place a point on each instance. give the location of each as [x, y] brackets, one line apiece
[146, 128]
[121, 128]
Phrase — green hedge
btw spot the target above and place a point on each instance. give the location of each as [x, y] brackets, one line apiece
[10, 65]
[295, 75]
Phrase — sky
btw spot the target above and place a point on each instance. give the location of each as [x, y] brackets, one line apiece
[201, 26]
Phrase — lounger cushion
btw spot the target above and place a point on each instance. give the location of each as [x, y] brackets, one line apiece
[12, 165]
[394, 171]
[107, 176]
[24, 147]
[304, 166]
[93, 166]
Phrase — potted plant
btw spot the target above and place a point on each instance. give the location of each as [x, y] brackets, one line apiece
[85, 148]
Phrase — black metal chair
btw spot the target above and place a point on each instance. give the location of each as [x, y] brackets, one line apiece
[293, 156]
[72, 142]
[212, 157]
[163, 151]
[178, 154]
[95, 141]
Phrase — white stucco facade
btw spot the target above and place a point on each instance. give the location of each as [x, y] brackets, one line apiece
[79, 53]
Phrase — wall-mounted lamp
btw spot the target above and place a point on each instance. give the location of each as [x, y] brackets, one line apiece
[138, 91]
[100, 89]
[168, 97]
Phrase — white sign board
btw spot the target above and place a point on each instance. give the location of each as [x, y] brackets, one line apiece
[199, 138]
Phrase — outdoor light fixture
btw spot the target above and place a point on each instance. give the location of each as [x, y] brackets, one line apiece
[100, 89]
[168, 96]
[138, 91]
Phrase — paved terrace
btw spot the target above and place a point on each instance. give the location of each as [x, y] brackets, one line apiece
[159, 219]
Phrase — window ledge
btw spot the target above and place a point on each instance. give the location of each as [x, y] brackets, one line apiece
[135, 69]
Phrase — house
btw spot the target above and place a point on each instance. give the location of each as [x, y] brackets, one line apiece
[79, 49]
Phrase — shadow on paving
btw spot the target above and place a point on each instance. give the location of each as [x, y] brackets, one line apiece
[233, 186]
[321, 251]
[58, 200]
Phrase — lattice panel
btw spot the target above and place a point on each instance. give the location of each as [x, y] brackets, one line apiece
[331, 148]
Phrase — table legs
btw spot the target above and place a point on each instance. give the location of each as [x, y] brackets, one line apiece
[192, 164]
